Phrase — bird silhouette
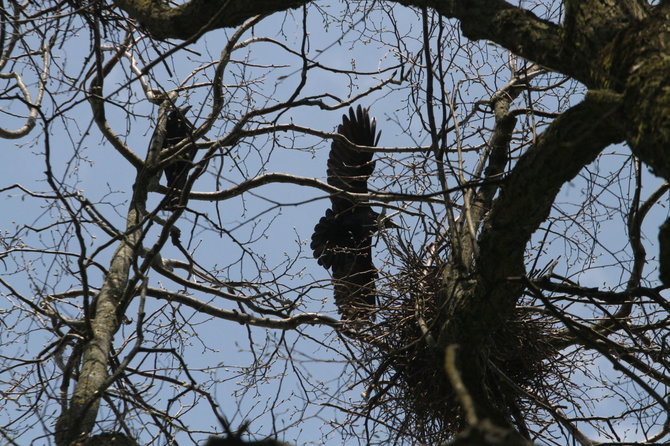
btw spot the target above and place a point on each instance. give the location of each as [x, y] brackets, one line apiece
[178, 128]
[342, 239]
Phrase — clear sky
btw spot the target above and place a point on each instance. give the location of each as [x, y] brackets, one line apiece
[299, 378]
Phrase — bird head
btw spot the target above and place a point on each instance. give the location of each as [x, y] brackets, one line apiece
[386, 221]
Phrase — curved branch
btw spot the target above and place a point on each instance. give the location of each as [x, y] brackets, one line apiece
[31, 119]
[287, 323]
[285, 178]
[97, 103]
[516, 29]
[196, 17]
[571, 142]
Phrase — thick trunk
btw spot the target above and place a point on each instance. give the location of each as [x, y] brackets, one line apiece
[477, 306]
[78, 419]
[645, 66]
[589, 28]
[647, 92]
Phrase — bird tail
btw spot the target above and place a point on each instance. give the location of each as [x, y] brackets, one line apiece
[356, 294]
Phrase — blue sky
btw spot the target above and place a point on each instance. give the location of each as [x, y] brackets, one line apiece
[277, 220]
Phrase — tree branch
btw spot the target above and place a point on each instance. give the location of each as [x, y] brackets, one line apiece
[514, 28]
[475, 307]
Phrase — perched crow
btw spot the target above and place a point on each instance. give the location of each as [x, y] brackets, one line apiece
[342, 239]
[177, 129]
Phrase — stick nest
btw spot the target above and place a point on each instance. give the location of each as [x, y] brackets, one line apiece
[410, 391]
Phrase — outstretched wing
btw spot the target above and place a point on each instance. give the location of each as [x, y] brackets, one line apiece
[348, 168]
[177, 129]
[342, 239]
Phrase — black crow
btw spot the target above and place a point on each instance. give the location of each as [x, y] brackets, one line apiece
[177, 129]
[342, 239]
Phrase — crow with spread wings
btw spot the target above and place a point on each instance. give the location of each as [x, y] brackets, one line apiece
[342, 239]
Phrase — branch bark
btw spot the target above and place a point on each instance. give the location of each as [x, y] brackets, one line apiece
[516, 29]
[77, 420]
[476, 306]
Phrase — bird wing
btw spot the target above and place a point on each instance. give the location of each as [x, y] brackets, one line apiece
[336, 236]
[349, 168]
[342, 239]
[343, 243]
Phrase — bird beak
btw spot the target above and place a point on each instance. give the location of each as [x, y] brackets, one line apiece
[386, 221]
